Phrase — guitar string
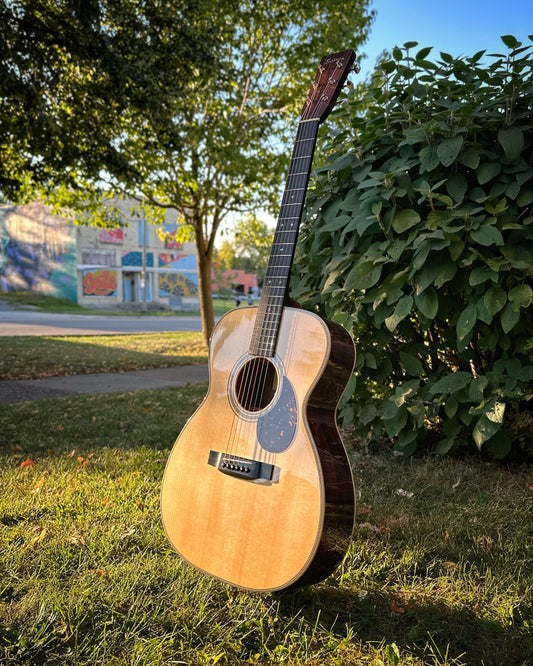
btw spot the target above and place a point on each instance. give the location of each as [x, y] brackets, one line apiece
[296, 182]
[256, 372]
[281, 264]
[273, 310]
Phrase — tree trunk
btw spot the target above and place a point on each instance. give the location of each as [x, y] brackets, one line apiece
[204, 292]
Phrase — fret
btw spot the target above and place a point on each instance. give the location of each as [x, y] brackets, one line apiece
[270, 310]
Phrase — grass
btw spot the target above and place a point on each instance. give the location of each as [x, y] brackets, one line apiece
[439, 572]
[29, 357]
[53, 304]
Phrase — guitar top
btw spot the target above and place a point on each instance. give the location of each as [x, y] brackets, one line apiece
[258, 489]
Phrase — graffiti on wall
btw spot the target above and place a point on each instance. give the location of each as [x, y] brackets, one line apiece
[183, 280]
[99, 283]
[115, 236]
[136, 259]
[37, 251]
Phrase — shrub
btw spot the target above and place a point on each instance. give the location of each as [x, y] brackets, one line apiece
[417, 238]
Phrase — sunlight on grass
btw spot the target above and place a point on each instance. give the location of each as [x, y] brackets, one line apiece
[439, 576]
[30, 357]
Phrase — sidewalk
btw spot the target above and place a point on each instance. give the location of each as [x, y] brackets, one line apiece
[108, 382]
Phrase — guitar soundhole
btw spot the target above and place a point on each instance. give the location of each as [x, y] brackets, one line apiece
[256, 384]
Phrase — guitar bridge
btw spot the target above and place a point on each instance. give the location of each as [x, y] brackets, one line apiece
[243, 468]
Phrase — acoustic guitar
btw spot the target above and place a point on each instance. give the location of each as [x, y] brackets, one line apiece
[258, 489]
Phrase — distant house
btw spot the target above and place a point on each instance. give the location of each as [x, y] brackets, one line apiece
[240, 282]
[95, 267]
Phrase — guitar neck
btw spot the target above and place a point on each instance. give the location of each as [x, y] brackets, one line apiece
[276, 283]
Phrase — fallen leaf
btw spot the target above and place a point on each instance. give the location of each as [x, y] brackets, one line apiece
[27, 463]
[60, 427]
[404, 493]
[361, 509]
[396, 608]
[40, 536]
[369, 526]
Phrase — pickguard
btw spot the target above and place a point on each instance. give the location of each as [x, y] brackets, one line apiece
[276, 428]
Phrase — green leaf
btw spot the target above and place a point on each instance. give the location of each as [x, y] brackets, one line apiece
[512, 142]
[496, 413]
[525, 197]
[466, 321]
[363, 275]
[495, 298]
[478, 276]
[397, 53]
[426, 276]
[451, 383]
[405, 219]
[476, 388]
[450, 407]
[470, 158]
[438, 218]
[509, 40]
[509, 318]
[411, 364]
[447, 270]
[423, 53]
[484, 430]
[402, 309]
[428, 303]
[487, 171]
[448, 149]
[429, 158]
[487, 235]
[457, 186]
[521, 296]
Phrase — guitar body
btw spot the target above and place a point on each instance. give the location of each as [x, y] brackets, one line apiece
[258, 490]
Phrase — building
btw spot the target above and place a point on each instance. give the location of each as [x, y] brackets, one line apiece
[98, 268]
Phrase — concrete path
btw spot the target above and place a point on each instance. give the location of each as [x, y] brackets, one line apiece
[29, 322]
[108, 382]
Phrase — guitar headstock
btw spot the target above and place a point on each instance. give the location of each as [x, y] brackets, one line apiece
[329, 79]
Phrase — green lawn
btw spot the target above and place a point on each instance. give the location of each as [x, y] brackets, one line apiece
[46, 303]
[29, 357]
[440, 570]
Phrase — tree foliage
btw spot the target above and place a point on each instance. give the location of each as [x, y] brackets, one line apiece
[206, 141]
[72, 73]
[249, 249]
[418, 239]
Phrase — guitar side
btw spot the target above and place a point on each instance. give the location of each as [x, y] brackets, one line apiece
[292, 525]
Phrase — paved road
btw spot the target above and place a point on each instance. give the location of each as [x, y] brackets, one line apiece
[29, 322]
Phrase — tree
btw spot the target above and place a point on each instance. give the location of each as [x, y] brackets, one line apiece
[250, 248]
[216, 143]
[418, 238]
[73, 73]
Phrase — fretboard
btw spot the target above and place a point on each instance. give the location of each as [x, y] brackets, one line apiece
[276, 283]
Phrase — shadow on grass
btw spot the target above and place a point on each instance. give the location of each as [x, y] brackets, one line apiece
[443, 575]
[444, 635]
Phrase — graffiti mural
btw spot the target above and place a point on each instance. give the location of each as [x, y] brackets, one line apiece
[37, 251]
[100, 283]
[115, 236]
[136, 259]
[183, 280]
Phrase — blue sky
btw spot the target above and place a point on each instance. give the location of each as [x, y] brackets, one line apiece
[459, 27]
